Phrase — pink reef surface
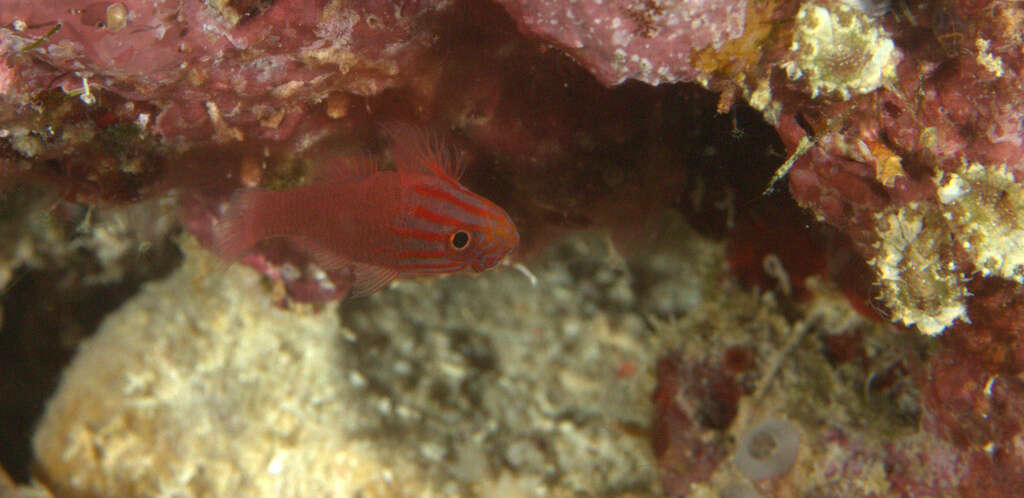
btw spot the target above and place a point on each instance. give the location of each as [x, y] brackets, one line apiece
[645, 40]
[585, 113]
[218, 74]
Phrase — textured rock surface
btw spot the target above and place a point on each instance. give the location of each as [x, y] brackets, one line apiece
[212, 65]
[490, 386]
[193, 386]
[649, 41]
[844, 385]
[467, 384]
[920, 156]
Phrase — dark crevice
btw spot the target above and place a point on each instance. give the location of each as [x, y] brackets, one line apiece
[47, 313]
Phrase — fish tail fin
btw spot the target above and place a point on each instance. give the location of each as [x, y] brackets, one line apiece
[238, 230]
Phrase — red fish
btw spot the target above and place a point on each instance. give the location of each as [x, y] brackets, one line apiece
[374, 225]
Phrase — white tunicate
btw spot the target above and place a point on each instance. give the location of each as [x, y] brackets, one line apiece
[768, 449]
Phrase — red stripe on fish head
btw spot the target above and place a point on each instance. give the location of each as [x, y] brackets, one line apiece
[445, 228]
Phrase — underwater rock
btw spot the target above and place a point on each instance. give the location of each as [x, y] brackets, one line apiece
[63, 267]
[901, 127]
[211, 67]
[199, 386]
[856, 424]
[685, 453]
[913, 166]
[974, 396]
[926, 467]
[8, 489]
[102, 109]
[923, 174]
[191, 385]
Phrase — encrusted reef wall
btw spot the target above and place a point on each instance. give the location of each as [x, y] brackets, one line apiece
[836, 151]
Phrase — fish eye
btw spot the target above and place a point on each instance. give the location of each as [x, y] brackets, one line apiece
[459, 240]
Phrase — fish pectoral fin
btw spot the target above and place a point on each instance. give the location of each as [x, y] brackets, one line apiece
[370, 278]
[323, 257]
[364, 278]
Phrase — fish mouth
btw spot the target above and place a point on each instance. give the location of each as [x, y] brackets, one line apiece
[504, 239]
[505, 235]
[488, 262]
[511, 237]
[485, 264]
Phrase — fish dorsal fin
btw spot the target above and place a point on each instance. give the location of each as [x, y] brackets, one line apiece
[346, 168]
[370, 278]
[415, 150]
